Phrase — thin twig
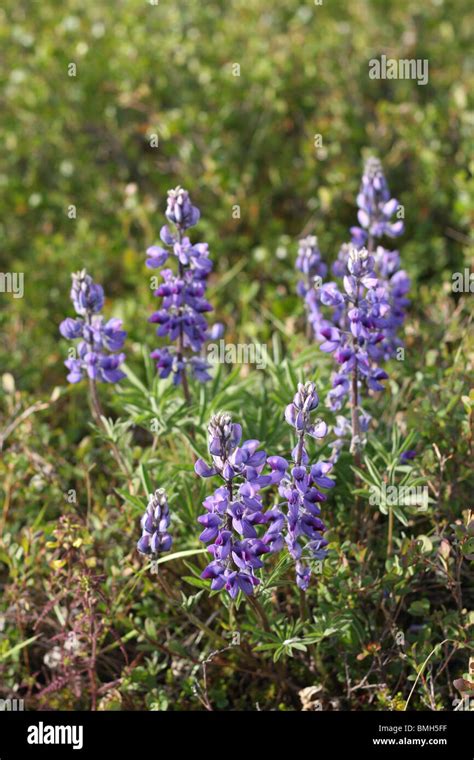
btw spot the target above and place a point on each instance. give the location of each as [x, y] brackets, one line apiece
[36, 407]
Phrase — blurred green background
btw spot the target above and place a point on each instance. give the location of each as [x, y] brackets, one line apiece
[166, 70]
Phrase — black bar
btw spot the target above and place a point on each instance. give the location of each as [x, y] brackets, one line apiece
[372, 734]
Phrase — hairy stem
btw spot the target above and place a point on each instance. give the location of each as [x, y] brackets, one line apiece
[180, 352]
[299, 451]
[175, 600]
[260, 612]
[356, 437]
[97, 413]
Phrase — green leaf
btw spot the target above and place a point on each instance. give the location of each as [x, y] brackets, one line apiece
[135, 501]
[17, 648]
[419, 608]
[376, 476]
[198, 582]
[134, 379]
[146, 480]
[179, 555]
[400, 515]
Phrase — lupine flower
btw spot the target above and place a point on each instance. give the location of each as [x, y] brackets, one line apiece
[359, 323]
[397, 285]
[237, 528]
[376, 208]
[407, 456]
[181, 316]
[298, 415]
[360, 314]
[180, 210]
[344, 433]
[98, 339]
[155, 538]
[300, 485]
[309, 262]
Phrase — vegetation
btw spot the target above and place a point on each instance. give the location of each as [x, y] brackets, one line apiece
[106, 107]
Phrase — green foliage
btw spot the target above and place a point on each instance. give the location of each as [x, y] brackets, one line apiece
[84, 622]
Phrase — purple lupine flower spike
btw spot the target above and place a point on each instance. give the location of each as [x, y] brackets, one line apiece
[155, 538]
[301, 486]
[183, 303]
[86, 295]
[376, 208]
[359, 323]
[99, 340]
[314, 271]
[360, 316]
[236, 527]
[180, 210]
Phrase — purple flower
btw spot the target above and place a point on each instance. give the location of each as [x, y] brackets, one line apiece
[358, 320]
[180, 210]
[71, 328]
[236, 525]
[87, 297]
[157, 256]
[155, 538]
[96, 355]
[300, 486]
[310, 264]
[397, 285]
[376, 208]
[358, 325]
[180, 318]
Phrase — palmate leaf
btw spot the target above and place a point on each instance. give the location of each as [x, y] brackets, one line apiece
[272, 579]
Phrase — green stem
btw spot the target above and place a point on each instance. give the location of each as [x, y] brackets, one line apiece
[390, 532]
[174, 599]
[261, 614]
[98, 413]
